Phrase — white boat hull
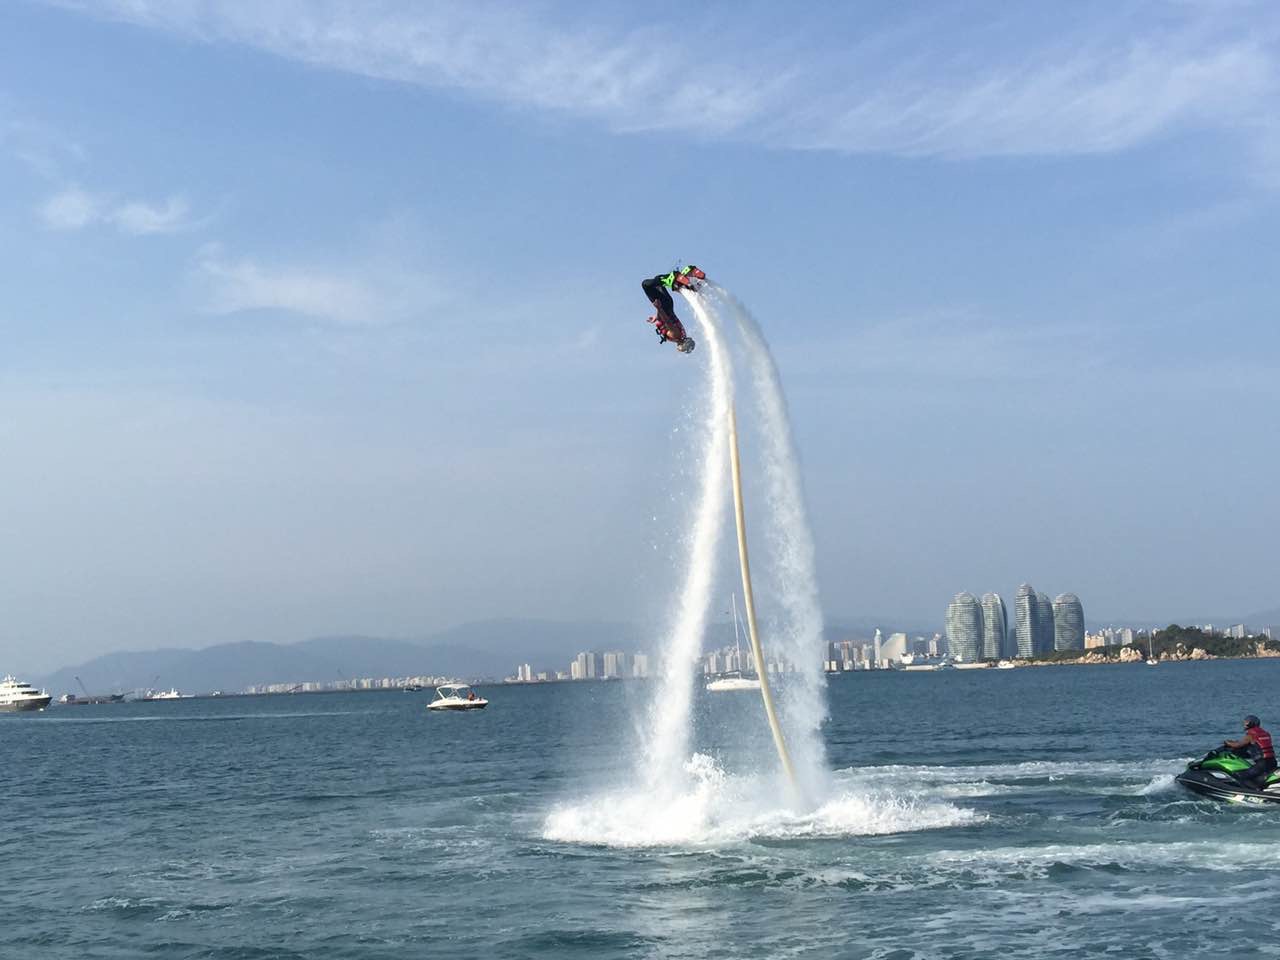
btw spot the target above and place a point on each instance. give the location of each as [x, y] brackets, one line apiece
[732, 683]
[19, 697]
[25, 704]
[458, 704]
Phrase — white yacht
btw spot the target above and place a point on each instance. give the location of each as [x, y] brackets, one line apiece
[1005, 665]
[16, 695]
[170, 694]
[916, 663]
[457, 696]
[733, 679]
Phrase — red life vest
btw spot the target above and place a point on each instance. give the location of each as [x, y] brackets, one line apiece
[1263, 740]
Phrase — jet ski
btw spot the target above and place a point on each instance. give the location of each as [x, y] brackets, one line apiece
[1213, 775]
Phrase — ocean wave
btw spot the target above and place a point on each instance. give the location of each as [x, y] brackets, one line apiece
[715, 808]
[1217, 856]
[1164, 783]
[1050, 770]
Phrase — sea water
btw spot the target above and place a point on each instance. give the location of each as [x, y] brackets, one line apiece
[1011, 813]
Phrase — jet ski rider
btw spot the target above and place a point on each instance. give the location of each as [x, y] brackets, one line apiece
[1256, 743]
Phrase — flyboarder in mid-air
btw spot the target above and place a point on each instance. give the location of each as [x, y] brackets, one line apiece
[658, 290]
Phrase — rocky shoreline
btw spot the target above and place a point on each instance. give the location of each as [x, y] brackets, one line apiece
[1134, 655]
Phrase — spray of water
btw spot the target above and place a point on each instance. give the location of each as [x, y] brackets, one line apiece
[667, 740]
[790, 568]
[688, 798]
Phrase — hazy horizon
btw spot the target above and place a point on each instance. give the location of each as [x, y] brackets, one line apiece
[860, 627]
[326, 318]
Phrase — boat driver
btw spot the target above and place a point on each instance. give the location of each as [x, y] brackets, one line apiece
[1256, 743]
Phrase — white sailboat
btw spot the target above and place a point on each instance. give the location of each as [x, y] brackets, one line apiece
[733, 679]
[1151, 650]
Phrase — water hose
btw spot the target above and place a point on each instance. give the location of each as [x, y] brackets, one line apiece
[762, 667]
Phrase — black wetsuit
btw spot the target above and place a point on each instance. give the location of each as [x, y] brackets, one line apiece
[659, 295]
[1256, 775]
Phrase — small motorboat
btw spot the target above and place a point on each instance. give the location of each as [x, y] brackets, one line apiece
[1214, 775]
[457, 696]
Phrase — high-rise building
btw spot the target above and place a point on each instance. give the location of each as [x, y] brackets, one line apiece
[894, 648]
[995, 627]
[640, 665]
[586, 666]
[1024, 616]
[964, 627]
[1044, 623]
[1068, 623]
[615, 665]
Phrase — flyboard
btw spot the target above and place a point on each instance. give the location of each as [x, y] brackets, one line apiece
[757, 650]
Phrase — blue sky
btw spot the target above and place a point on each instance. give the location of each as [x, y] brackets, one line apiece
[324, 317]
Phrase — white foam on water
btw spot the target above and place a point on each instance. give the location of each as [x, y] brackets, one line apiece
[1164, 783]
[714, 808]
[1206, 855]
[1053, 770]
[978, 788]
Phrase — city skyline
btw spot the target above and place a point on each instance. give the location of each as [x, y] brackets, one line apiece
[836, 626]
[238, 403]
[979, 630]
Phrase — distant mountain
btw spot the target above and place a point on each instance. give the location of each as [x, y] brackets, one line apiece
[483, 649]
[229, 666]
[544, 644]
[1263, 618]
[491, 648]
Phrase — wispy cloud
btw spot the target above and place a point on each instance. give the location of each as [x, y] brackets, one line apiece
[1105, 97]
[71, 209]
[348, 295]
[40, 149]
[984, 80]
[75, 208]
[143, 218]
[952, 344]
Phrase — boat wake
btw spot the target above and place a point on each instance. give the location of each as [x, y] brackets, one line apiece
[1164, 783]
[715, 808]
[1028, 772]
